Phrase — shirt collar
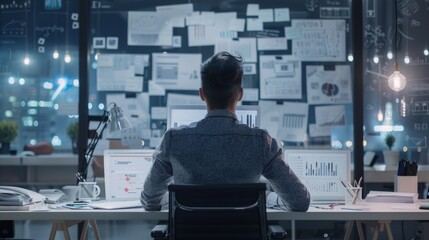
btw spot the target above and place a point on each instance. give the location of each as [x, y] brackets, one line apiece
[221, 113]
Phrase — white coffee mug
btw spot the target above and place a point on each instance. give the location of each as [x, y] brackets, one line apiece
[71, 192]
[88, 191]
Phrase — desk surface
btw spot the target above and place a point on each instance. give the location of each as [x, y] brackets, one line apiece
[372, 211]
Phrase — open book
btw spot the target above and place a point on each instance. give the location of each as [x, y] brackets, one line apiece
[391, 197]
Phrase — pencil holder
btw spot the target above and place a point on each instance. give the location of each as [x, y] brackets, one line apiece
[406, 184]
[353, 195]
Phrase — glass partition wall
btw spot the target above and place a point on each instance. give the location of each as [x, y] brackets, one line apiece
[39, 71]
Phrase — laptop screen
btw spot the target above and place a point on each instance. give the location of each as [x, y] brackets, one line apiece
[321, 171]
[125, 171]
[179, 115]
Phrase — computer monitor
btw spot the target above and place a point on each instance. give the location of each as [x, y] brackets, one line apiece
[321, 171]
[179, 115]
[125, 171]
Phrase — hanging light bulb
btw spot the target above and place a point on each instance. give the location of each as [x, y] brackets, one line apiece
[426, 52]
[397, 81]
[56, 54]
[380, 115]
[389, 55]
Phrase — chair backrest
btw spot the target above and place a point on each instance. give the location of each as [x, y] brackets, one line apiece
[226, 211]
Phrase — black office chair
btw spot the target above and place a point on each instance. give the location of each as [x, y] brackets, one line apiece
[227, 211]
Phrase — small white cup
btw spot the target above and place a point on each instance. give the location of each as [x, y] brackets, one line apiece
[88, 191]
[71, 192]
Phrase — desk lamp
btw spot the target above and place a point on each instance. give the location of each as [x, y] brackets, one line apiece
[117, 121]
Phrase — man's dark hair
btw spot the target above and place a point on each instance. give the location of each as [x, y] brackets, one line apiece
[221, 77]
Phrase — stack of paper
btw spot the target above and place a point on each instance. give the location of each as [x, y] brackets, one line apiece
[391, 197]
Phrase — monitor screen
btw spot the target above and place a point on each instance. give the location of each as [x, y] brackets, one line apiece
[125, 171]
[321, 171]
[179, 115]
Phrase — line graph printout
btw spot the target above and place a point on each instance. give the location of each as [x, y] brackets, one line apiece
[320, 171]
[125, 172]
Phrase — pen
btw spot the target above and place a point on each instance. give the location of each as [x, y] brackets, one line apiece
[76, 204]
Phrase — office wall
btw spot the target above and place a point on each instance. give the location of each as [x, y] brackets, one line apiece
[295, 61]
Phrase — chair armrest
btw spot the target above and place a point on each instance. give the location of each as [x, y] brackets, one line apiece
[276, 232]
[159, 232]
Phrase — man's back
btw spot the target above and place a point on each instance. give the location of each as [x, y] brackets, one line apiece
[217, 150]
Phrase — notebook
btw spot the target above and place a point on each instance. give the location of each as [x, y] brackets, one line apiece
[125, 171]
[321, 171]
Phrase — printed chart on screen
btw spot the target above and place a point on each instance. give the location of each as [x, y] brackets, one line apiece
[125, 173]
[321, 171]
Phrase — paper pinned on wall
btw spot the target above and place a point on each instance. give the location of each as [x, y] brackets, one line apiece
[176, 71]
[206, 35]
[245, 47]
[237, 25]
[292, 33]
[329, 84]
[176, 13]
[158, 113]
[266, 15]
[270, 117]
[148, 29]
[254, 24]
[319, 131]
[321, 40]
[252, 10]
[250, 95]
[249, 68]
[200, 18]
[156, 89]
[280, 77]
[333, 115]
[121, 72]
[281, 15]
[183, 99]
[274, 43]
[293, 122]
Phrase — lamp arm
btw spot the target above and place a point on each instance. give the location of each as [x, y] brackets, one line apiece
[81, 175]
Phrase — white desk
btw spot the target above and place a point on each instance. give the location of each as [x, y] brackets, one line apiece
[373, 211]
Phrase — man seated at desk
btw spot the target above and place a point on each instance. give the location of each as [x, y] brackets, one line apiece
[220, 150]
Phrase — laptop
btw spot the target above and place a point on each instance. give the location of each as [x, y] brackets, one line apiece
[179, 115]
[321, 171]
[125, 171]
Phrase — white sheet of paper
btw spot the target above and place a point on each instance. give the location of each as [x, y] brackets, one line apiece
[274, 43]
[183, 99]
[321, 40]
[280, 77]
[237, 25]
[333, 115]
[329, 86]
[292, 33]
[176, 13]
[176, 71]
[206, 35]
[281, 15]
[245, 47]
[159, 113]
[249, 68]
[250, 94]
[156, 89]
[252, 10]
[200, 18]
[270, 117]
[254, 24]
[318, 131]
[293, 122]
[266, 15]
[121, 72]
[149, 29]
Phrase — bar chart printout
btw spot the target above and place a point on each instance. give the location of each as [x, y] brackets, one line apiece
[320, 171]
